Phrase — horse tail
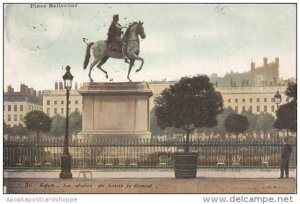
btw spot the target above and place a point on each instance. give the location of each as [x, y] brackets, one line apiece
[87, 55]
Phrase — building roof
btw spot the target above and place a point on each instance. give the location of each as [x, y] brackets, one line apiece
[19, 97]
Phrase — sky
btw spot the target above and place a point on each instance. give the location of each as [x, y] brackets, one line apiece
[182, 40]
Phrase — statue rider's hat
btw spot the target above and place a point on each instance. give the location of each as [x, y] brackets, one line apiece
[116, 16]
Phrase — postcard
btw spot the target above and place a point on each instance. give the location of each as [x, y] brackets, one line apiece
[150, 98]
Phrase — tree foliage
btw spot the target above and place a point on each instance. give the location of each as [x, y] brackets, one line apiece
[291, 91]
[265, 122]
[37, 121]
[287, 117]
[75, 122]
[154, 128]
[252, 120]
[287, 113]
[6, 129]
[58, 126]
[236, 124]
[219, 128]
[191, 103]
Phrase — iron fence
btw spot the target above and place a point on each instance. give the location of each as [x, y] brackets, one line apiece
[142, 153]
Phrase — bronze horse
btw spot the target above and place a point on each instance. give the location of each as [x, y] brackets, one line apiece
[101, 52]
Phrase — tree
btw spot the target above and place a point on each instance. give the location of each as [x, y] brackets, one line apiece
[189, 104]
[219, 128]
[157, 130]
[154, 128]
[19, 130]
[75, 122]
[252, 120]
[37, 121]
[58, 126]
[291, 91]
[6, 129]
[236, 124]
[287, 113]
[287, 117]
[265, 122]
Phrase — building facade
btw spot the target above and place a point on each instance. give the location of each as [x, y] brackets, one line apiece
[54, 101]
[257, 100]
[18, 104]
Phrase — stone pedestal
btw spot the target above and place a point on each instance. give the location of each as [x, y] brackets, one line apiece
[115, 110]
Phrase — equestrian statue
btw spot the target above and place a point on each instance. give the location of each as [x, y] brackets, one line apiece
[116, 46]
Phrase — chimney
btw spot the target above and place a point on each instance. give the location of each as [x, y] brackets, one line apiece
[61, 85]
[277, 62]
[265, 61]
[22, 89]
[252, 65]
[26, 90]
[56, 85]
[31, 91]
[10, 89]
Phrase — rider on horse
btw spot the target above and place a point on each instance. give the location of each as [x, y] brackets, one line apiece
[114, 35]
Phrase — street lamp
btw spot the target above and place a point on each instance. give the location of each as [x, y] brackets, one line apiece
[277, 100]
[66, 157]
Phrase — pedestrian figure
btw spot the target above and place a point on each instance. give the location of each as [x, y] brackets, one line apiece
[285, 157]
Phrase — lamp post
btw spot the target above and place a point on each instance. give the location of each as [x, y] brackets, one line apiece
[277, 100]
[66, 157]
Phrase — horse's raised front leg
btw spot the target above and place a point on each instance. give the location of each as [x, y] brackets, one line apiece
[103, 60]
[141, 59]
[129, 69]
[96, 60]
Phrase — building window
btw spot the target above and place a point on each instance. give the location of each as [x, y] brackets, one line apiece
[15, 108]
[229, 100]
[76, 102]
[265, 99]
[250, 109]
[257, 100]
[8, 118]
[236, 100]
[244, 108]
[76, 109]
[244, 100]
[62, 102]
[48, 102]
[265, 108]
[21, 107]
[272, 108]
[69, 102]
[15, 117]
[55, 102]
[55, 111]
[258, 109]
[236, 109]
[251, 100]
[48, 111]
[273, 100]
[3, 107]
[9, 107]
[62, 111]
[21, 118]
